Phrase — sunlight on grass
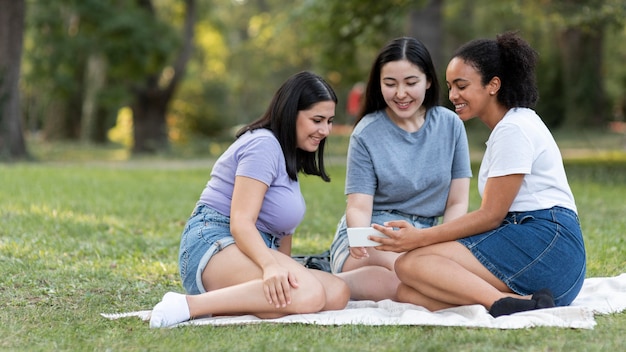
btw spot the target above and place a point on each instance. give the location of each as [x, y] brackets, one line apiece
[77, 241]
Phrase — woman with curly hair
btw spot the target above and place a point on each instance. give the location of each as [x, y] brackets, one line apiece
[523, 248]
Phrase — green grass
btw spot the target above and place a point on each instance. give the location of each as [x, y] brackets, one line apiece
[81, 238]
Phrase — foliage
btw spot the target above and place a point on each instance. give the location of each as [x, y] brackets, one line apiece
[60, 38]
[244, 49]
[352, 28]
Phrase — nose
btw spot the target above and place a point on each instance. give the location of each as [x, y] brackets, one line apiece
[401, 91]
[452, 94]
[325, 129]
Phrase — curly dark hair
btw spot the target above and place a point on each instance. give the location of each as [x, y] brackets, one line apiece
[510, 58]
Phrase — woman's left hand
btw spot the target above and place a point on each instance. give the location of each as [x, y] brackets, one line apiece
[402, 239]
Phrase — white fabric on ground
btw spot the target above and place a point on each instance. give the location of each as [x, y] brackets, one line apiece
[601, 295]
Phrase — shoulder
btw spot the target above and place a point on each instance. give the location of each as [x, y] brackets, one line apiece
[443, 113]
[369, 122]
[258, 137]
[519, 118]
[445, 118]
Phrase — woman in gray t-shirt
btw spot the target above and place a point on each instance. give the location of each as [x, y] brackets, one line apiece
[408, 159]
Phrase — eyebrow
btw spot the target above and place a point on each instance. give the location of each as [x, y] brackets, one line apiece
[408, 77]
[460, 79]
[322, 116]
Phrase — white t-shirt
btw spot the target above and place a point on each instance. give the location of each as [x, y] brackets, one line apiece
[522, 144]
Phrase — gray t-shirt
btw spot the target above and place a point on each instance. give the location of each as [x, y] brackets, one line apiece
[257, 154]
[408, 172]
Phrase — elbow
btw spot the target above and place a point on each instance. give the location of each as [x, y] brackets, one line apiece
[491, 219]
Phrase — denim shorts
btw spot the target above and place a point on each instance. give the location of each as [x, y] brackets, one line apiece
[206, 233]
[533, 250]
[339, 248]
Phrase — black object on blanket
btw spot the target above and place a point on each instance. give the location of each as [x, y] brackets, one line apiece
[315, 261]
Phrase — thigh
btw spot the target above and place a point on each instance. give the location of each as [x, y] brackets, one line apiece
[231, 266]
[376, 257]
[340, 256]
[459, 254]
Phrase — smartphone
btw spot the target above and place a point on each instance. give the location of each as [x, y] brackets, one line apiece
[357, 236]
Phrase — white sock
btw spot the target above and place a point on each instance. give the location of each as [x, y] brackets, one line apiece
[172, 309]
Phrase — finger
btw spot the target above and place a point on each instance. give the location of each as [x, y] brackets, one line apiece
[389, 225]
[358, 252]
[364, 253]
[282, 293]
[293, 281]
[268, 294]
[275, 297]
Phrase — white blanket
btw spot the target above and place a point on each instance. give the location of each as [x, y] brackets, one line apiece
[602, 295]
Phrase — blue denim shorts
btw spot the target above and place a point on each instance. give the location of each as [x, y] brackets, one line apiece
[206, 233]
[534, 250]
[340, 249]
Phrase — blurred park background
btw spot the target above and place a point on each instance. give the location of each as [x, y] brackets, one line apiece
[123, 104]
[151, 77]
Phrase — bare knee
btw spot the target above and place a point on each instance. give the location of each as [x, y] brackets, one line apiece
[337, 296]
[310, 298]
[403, 293]
[409, 266]
[404, 266]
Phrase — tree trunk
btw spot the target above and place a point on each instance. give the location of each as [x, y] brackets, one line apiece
[426, 25]
[585, 99]
[149, 121]
[152, 100]
[95, 77]
[12, 145]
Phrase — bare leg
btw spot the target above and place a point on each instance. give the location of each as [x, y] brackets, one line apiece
[234, 286]
[446, 275]
[243, 288]
[371, 278]
[337, 292]
[371, 282]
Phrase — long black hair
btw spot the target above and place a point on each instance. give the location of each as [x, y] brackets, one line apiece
[403, 48]
[299, 92]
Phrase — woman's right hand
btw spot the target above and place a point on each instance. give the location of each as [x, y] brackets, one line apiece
[277, 284]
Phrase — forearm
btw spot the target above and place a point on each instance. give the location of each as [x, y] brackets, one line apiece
[470, 224]
[454, 211]
[458, 199]
[359, 210]
[250, 242]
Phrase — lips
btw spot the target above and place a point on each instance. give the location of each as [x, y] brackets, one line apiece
[403, 105]
[458, 107]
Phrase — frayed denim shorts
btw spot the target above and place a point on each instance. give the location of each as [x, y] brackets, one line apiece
[533, 250]
[340, 249]
[206, 233]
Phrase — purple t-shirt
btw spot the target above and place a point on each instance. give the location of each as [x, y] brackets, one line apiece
[257, 154]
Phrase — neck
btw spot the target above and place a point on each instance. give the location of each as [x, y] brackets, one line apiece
[411, 124]
[492, 117]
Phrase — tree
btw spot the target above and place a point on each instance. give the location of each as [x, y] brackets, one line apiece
[581, 43]
[12, 145]
[152, 99]
[83, 58]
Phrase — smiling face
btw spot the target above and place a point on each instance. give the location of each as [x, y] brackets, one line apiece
[470, 97]
[314, 124]
[403, 86]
